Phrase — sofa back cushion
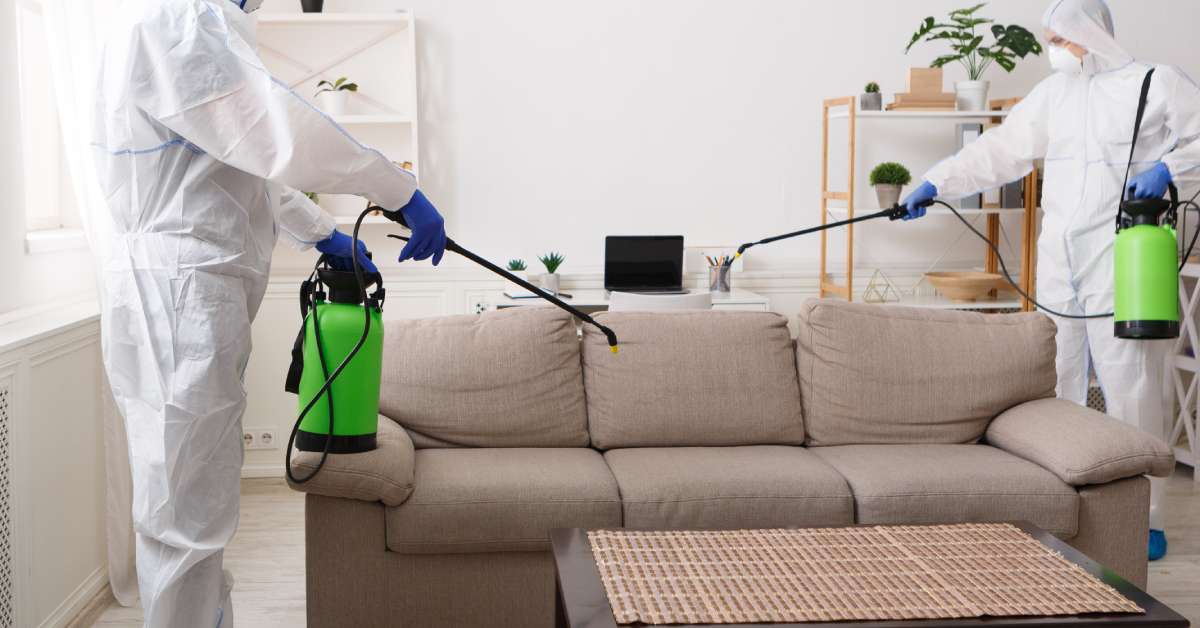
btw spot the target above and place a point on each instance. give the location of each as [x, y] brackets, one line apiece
[692, 379]
[502, 379]
[884, 374]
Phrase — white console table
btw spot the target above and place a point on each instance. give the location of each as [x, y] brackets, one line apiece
[597, 300]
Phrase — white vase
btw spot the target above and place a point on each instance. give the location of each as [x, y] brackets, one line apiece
[971, 95]
[550, 283]
[334, 102]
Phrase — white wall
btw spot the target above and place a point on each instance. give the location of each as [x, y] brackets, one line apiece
[549, 124]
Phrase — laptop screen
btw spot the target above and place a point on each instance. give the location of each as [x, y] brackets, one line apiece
[643, 262]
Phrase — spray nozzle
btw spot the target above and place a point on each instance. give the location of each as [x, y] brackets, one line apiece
[611, 336]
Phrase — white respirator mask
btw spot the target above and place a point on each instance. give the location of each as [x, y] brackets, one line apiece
[1061, 60]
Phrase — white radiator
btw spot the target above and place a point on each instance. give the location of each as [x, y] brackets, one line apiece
[7, 560]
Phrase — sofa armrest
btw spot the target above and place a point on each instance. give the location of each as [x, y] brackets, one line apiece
[1078, 444]
[384, 475]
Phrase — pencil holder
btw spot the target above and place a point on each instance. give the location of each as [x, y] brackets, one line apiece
[720, 279]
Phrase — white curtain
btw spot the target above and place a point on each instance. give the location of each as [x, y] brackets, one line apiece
[74, 30]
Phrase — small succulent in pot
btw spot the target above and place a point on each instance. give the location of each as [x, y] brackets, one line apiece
[334, 94]
[889, 179]
[552, 261]
[518, 268]
[871, 99]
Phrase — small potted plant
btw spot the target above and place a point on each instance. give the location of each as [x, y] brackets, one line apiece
[551, 261]
[333, 95]
[967, 48]
[889, 179]
[518, 268]
[871, 99]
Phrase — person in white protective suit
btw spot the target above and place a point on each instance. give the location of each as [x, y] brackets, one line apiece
[1081, 120]
[199, 152]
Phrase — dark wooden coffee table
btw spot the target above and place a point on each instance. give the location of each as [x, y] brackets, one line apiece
[582, 603]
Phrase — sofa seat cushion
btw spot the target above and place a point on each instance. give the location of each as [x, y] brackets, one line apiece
[901, 484]
[501, 500]
[728, 487]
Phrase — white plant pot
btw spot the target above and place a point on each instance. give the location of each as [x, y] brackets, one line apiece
[550, 283]
[888, 195]
[971, 95]
[334, 103]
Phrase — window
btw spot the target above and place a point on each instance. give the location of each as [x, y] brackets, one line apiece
[49, 199]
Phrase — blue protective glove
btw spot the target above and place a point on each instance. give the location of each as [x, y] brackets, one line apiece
[1151, 183]
[428, 230]
[338, 246]
[916, 202]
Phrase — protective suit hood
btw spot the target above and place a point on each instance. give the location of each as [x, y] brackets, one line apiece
[1088, 23]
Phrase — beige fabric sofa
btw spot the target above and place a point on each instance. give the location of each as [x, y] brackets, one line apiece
[500, 427]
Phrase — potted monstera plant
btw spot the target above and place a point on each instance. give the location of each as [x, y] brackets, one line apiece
[968, 48]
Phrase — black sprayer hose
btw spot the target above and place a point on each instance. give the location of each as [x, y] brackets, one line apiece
[330, 378]
[895, 213]
[451, 245]
[899, 211]
[1008, 276]
[398, 218]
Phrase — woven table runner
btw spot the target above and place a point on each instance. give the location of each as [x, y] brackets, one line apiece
[841, 574]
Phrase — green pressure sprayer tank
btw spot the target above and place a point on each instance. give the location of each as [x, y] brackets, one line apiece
[332, 328]
[1146, 270]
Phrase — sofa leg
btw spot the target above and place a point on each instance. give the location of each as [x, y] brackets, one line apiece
[1114, 523]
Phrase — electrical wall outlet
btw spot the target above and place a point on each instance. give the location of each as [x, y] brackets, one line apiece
[259, 439]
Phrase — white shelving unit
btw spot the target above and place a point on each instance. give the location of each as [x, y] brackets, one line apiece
[920, 115]
[1184, 370]
[846, 109]
[402, 18]
[986, 211]
[376, 50]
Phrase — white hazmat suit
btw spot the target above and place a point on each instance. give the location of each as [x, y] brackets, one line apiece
[199, 152]
[1082, 124]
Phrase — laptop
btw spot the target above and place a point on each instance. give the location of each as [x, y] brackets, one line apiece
[648, 264]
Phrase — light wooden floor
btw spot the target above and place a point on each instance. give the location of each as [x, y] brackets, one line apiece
[267, 558]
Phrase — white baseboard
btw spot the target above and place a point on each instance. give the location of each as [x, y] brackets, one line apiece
[268, 470]
[79, 599]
